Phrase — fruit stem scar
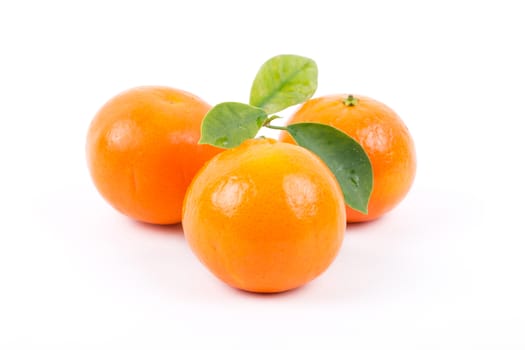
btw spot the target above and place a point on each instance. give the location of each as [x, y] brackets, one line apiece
[350, 101]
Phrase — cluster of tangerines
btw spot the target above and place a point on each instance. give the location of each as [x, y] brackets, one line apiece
[264, 215]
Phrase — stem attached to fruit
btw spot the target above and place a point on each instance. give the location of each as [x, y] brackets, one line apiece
[350, 101]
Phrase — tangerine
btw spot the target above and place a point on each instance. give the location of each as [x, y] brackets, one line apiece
[265, 216]
[382, 134]
[142, 151]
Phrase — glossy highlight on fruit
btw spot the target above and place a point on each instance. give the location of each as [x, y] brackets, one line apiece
[265, 216]
[382, 134]
[142, 151]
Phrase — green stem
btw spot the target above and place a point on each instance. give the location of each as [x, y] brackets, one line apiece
[270, 119]
[276, 127]
[350, 101]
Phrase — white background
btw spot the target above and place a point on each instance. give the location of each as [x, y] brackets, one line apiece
[444, 270]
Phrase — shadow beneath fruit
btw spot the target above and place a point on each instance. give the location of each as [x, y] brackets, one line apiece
[272, 295]
[411, 252]
[160, 229]
[363, 227]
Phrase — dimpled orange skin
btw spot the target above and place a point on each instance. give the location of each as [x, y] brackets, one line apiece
[265, 216]
[142, 151]
[383, 136]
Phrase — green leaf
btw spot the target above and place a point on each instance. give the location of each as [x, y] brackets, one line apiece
[343, 155]
[284, 81]
[228, 124]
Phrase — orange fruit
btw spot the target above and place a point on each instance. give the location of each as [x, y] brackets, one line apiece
[383, 136]
[265, 216]
[142, 151]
